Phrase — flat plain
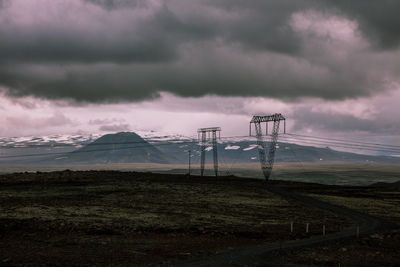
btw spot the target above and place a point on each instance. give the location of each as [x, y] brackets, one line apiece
[107, 217]
[141, 218]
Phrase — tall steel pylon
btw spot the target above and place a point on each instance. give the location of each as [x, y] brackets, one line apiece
[203, 141]
[267, 162]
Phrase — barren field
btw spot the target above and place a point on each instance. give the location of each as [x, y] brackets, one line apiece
[380, 248]
[130, 218]
[127, 218]
[332, 173]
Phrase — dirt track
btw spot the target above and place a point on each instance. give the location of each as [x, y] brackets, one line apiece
[259, 255]
[262, 255]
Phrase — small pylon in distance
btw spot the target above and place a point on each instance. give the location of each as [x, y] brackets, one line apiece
[203, 138]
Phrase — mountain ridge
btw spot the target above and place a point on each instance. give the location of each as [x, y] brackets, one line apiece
[121, 147]
[129, 147]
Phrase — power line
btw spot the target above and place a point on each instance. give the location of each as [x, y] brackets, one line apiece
[343, 145]
[325, 141]
[189, 140]
[297, 137]
[336, 143]
[313, 140]
[83, 151]
[341, 140]
[90, 144]
[150, 141]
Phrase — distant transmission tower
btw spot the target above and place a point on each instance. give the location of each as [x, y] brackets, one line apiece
[203, 140]
[267, 163]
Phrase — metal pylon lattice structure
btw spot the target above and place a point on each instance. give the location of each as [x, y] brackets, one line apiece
[267, 162]
[204, 135]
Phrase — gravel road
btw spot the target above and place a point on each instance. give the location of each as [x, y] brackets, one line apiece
[261, 255]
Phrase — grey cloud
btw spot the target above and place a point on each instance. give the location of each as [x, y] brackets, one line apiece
[115, 128]
[120, 37]
[55, 120]
[304, 119]
[379, 20]
[259, 25]
[104, 40]
[133, 50]
[116, 4]
[5, 3]
[27, 104]
[104, 121]
[97, 84]
[201, 71]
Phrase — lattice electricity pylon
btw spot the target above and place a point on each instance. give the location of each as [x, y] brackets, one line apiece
[203, 132]
[267, 163]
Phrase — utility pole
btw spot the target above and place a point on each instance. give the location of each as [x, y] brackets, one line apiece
[190, 155]
[267, 162]
[203, 132]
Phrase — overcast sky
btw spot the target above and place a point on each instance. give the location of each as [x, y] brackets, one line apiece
[93, 66]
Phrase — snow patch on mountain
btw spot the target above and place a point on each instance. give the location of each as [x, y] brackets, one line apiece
[250, 147]
[50, 140]
[229, 147]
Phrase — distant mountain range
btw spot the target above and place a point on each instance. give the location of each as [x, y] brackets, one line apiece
[123, 147]
[129, 147]
[247, 151]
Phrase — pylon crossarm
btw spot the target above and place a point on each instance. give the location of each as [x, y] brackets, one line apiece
[209, 129]
[267, 118]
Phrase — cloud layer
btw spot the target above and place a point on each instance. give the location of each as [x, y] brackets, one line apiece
[120, 50]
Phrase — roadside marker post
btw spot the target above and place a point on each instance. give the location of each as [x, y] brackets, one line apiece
[307, 227]
[323, 229]
[358, 231]
[291, 227]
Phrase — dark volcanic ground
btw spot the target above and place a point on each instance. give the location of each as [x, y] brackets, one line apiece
[128, 218]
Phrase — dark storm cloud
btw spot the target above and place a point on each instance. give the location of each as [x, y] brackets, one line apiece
[145, 40]
[155, 38]
[120, 50]
[261, 25]
[379, 20]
